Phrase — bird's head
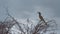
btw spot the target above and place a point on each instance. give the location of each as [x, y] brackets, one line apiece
[39, 13]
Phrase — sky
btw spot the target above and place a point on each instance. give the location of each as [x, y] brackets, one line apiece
[22, 9]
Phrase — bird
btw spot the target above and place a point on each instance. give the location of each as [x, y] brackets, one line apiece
[41, 17]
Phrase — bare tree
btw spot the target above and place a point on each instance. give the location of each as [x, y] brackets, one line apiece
[40, 28]
[7, 24]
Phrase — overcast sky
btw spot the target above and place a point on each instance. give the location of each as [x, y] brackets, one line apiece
[29, 8]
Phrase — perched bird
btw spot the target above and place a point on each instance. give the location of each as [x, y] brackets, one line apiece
[41, 18]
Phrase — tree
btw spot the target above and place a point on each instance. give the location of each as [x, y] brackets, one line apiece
[40, 28]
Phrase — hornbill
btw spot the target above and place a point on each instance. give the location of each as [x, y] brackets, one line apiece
[41, 18]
